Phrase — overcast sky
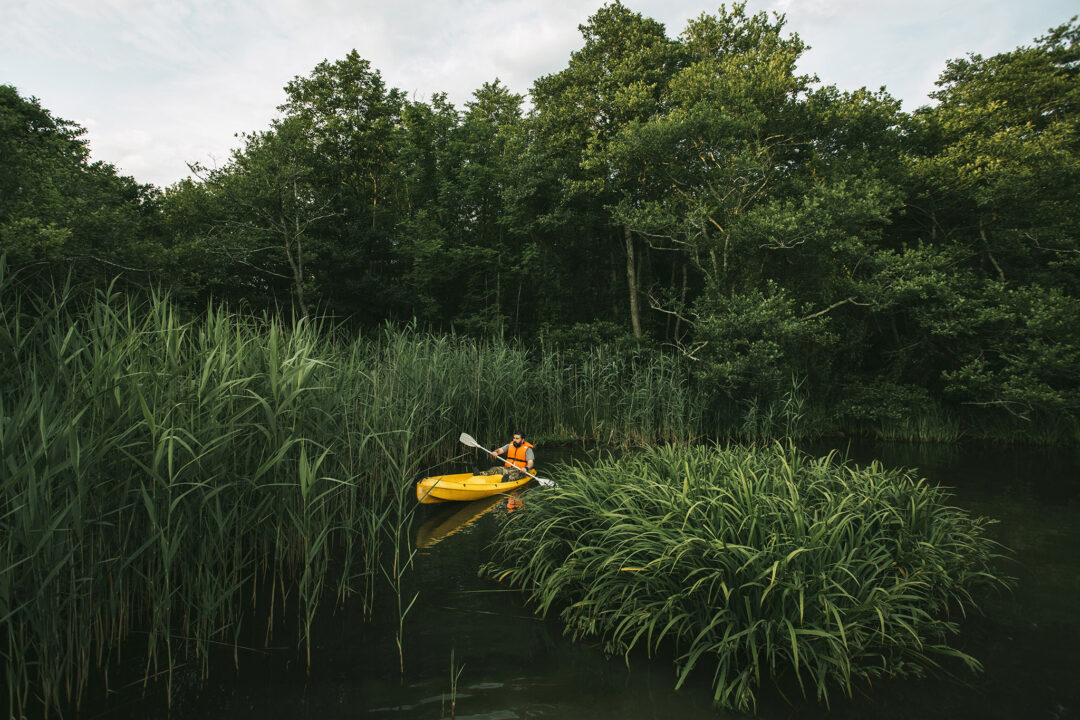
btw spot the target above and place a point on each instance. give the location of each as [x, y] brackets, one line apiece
[160, 83]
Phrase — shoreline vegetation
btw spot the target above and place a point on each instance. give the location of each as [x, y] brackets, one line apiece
[215, 397]
[761, 565]
[159, 472]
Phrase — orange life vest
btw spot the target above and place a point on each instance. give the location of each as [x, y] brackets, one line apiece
[515, 456]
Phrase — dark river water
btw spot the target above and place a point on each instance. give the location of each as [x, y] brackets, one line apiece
[510, 664]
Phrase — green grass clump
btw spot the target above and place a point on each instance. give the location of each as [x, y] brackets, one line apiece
[179, 479]
[762, 563]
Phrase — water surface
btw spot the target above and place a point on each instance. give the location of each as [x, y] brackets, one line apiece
[510, 664]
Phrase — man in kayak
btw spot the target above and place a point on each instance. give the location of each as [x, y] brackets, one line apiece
[519, 455]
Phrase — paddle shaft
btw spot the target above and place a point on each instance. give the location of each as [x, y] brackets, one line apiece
[467, 439]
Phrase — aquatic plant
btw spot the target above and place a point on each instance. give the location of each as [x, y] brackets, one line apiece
[761, 563]
[455, 676]
[173, 476]
[160, 476]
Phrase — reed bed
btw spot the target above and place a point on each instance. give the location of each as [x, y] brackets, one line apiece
[176, 479]
[611, 398]
[760, 564]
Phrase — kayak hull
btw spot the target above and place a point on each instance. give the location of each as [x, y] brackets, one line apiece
[463, 487]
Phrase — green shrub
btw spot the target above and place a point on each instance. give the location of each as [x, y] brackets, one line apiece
[760, 563]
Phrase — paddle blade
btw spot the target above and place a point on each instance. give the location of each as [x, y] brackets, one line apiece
[467, 439]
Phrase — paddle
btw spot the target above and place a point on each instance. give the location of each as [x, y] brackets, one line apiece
[467, 439]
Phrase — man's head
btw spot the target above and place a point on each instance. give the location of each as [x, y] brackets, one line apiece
[518, 439]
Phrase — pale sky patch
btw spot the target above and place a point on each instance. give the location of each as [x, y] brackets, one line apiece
[161, 83]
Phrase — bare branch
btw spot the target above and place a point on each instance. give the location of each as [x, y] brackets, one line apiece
[835, 305]
[691, 352]
[648, 236]
[108, 262]
[785, 244]
[655, 304]
[1048, 249]
[1005, 405]
[989, 254]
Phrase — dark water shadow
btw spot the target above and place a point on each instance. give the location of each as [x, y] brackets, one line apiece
[516, 665]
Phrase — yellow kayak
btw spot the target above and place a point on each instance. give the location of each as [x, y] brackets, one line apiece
[463, 487]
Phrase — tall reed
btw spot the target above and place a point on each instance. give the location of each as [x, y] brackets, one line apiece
[171, 476]
[761, 563]
[611, 398]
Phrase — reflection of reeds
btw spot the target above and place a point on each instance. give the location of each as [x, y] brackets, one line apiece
[168, 476]
[455, 675]
[757, 562]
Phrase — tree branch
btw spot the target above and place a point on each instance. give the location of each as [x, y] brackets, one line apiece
[689, 353]
[108, 262]
[1035, 240]
[1004, 404]
[835, 305]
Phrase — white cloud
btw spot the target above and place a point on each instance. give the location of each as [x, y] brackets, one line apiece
[159, 83]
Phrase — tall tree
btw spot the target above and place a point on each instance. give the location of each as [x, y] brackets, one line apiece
[765, 190]
[497, 259]
[996, 169]
[617, 78]
[275, 206]
[355, 126]
[60, 211]
[999, 162]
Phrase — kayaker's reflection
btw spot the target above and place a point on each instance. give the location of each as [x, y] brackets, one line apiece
[514, 502]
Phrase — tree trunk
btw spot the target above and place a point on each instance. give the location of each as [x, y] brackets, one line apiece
[632, 281]
[613, 295]
[667, 319]
[297, 276]
[682, 299]
[297, 269]
[990, 255]
[297, 263]
[498, 295]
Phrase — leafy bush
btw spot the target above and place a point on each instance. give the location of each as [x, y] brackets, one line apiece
[761, 563]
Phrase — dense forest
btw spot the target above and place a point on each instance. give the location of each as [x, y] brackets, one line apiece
[905, 274]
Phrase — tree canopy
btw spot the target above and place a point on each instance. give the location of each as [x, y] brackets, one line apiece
[692, 195]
